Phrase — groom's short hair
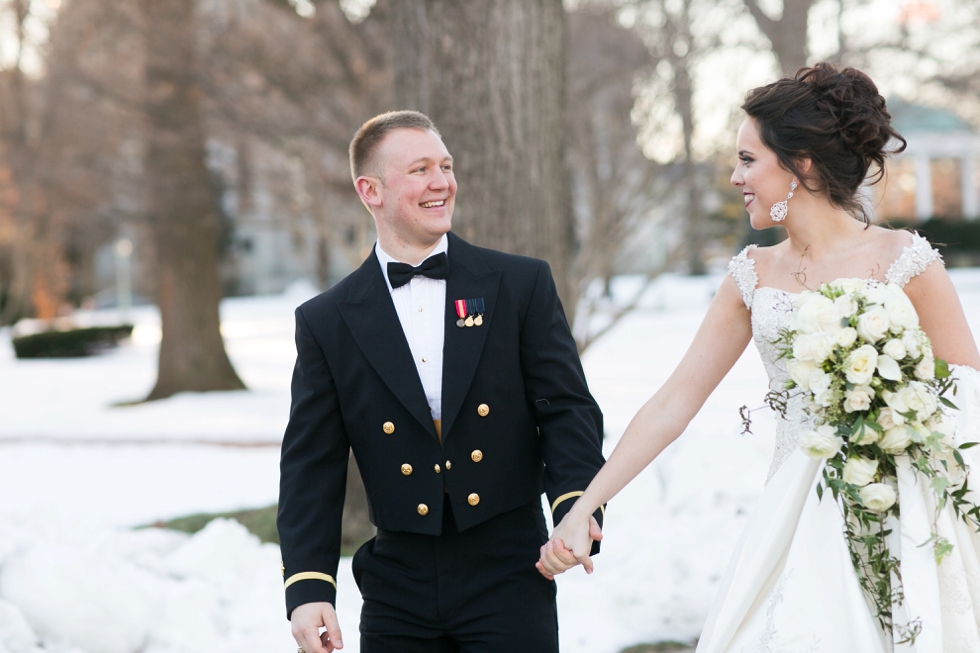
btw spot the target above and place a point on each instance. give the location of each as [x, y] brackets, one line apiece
[365, 142]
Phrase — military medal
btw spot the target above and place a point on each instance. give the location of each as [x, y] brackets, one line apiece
[461, 312]
[469, 311]
[478, 320]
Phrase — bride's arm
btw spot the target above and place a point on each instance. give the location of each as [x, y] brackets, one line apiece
[719, 342]
[941, 316]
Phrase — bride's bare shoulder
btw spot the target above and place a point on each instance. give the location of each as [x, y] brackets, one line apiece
[890, 242]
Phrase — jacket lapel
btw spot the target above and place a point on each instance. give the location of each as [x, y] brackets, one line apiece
[370, 315]
[469, 278]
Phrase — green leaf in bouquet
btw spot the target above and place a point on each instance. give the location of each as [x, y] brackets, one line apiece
[958, 457]
[941, 549]
[949, 404]
[819, 491]
[968, 445]
[942, 369]
[914, 434]
[940, 484]
[873, 425]
[857, 426]
[922, 464]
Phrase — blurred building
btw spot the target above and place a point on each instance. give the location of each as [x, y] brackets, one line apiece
[937, 174]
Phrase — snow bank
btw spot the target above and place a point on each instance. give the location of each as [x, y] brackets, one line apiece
[76, 474]
[149, 590]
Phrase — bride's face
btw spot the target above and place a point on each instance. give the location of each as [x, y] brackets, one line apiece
[759, 175]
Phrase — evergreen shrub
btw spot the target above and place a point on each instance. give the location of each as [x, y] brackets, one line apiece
[71, 343]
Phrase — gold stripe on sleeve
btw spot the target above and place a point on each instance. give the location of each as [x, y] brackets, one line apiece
[572, 495]
[310, 575]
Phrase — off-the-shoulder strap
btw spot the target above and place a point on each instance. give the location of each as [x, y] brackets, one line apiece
[913, 260]
[742, 269]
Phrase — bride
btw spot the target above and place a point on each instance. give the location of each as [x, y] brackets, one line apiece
[804, 150]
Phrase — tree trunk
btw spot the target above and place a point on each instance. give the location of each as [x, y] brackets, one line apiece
[491, 76]
[181, 208]
[788, 35]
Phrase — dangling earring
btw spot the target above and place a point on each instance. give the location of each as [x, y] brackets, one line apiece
[779, 209]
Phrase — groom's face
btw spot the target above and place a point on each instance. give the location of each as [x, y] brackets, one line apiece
[418, 190]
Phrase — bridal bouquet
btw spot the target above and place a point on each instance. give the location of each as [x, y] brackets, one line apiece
[875, 392]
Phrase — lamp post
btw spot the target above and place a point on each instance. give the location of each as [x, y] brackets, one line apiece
[124, 290]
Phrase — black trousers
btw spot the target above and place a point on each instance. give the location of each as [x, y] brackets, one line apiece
[470, 592]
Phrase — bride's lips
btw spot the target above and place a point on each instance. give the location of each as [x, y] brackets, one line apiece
[748, 198]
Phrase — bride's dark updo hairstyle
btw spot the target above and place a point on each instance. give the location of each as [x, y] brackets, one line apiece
[837, 119]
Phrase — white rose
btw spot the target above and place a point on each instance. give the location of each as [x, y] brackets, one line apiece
[877, 293]
[889, 418]
[878, 497]
[895, 401]
[846, 336]
[888, 368]
[866, 435]
[926, 398]
[824, 398]
[846, 306]
[873, 324]
[816, 313]
[901, 312]
[926, 368]
[859, 470]
[912, 399]
[858, 398]
[895, 440]
[851, 286]
[895, 349]
[808, 308]
[813, 347]
[799, 371]
[941, 424]
[860, 365]
[912, 341]
[821, 442]
[818, 381]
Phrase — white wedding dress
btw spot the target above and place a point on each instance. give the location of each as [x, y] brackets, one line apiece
[790, 586]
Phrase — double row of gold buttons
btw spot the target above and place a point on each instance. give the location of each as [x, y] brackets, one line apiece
[476, 456]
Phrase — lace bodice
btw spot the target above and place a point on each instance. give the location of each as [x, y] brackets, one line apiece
[771, 309]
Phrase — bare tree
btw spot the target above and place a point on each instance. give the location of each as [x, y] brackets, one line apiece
[491, 75]
[181, 207]
[787, 34]
[615, 187]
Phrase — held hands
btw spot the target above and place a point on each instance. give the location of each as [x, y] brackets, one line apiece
[306, 621]
[569, 545]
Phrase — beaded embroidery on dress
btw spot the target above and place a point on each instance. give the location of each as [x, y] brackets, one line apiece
[791, 585]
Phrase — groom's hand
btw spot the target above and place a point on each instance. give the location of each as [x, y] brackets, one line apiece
[558, 557]
[306, 621]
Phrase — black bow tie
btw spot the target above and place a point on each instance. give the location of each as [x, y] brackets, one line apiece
[434, 267]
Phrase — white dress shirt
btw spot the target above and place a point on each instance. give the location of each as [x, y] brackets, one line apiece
[421, 308]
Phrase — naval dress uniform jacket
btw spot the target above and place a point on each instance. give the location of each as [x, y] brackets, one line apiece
[517, 415]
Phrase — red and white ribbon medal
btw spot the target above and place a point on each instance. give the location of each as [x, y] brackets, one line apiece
[461, 312]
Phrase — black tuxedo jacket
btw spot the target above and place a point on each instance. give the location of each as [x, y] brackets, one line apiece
[517, 415]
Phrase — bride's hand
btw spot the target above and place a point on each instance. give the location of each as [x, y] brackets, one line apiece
[570, 545]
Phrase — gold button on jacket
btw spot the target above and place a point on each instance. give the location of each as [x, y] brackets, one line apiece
[473, 499]
[407, 469]
[476, 456]
[423, 509]
[483, 410]
[449, 465]
[388, 428]
[438, 468]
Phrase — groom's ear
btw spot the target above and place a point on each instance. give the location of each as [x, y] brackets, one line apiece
[369, 190]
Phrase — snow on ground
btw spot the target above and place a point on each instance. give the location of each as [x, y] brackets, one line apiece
[77, 473]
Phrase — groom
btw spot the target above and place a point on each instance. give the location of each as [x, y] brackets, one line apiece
[451, 373]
